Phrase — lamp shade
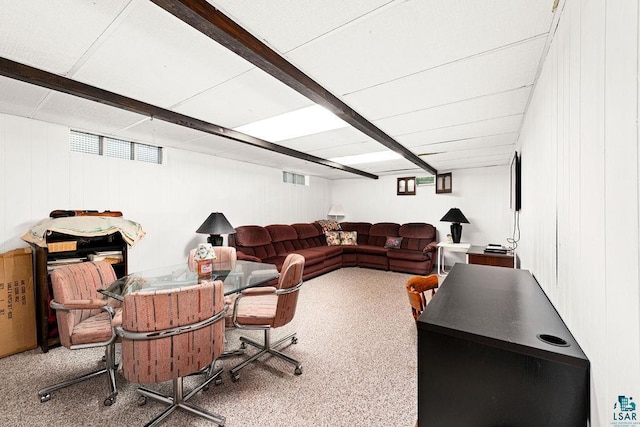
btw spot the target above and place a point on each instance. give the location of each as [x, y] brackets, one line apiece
[455, 215]
[216, 224]
[336, 210]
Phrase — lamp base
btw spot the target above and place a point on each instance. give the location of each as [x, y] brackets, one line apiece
[215, 239]
[456, 232]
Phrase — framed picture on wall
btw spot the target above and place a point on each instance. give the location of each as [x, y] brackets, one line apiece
[406, 186]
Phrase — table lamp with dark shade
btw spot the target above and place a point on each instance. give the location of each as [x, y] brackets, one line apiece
[215, 225]
[455, 217]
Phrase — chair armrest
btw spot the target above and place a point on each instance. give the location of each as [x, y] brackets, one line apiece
[262, 290]
[79, 304]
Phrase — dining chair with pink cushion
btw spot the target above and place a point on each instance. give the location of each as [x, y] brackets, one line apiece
[270, 307]
[169, 334]
[225, 258]
[85, 318]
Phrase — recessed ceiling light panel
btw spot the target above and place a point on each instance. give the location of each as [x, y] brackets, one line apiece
[302, 122]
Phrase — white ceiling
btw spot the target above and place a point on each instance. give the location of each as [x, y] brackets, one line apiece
[449, 80]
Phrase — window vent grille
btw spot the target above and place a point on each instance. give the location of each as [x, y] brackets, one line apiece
[84, 142]
[295, 178]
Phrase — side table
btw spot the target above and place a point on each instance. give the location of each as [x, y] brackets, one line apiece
[477, 255]
[453, 247]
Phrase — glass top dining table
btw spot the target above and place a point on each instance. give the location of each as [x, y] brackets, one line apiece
[245, 274]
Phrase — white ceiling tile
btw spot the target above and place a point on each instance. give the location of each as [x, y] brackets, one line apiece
[387, 167]
[249, 97]
[212, 144]
[448, 79]
[85, 115]
[473, 162]
[53, 35]
[156, 58]
[292, 23]
[18, 98]
[160, 133]
[329, 139]
[483, 108]
[499, 155]
[369, 146]
[497, 71]
[506, 139]
[413, 36]
[500, 125]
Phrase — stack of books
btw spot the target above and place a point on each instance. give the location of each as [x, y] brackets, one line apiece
[495, 249]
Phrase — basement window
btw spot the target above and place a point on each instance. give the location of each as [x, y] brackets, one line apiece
[295, 178]
[84, 142]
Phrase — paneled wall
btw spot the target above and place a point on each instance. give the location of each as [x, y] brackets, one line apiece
[481, 194]
[580, 159]
[39, 174]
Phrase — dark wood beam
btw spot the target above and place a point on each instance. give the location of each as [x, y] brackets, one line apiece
[208, 20]
[35, 76]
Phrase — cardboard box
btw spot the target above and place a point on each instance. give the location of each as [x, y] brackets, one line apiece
[17, 305]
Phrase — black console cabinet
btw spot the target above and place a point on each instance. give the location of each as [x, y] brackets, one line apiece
[493, 351]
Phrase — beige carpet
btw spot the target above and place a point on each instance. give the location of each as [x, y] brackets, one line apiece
[357, 344]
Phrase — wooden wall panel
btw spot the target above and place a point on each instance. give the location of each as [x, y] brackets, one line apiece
[583, 121]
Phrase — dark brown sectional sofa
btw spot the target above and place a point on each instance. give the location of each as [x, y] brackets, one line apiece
[272, 243]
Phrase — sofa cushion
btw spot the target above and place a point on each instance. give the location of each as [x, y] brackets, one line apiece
[305, 231]
[252, 235]
[371, 250]
[361, 228]
[393, 242]
[328, 225]
[379, 232]
[253, 240]
[283, 238]
[327, 251]
[333, 238]
[417, 235]
[281, 232]
[406, 254]
[309, 235]
[348, 238]
[311, 256]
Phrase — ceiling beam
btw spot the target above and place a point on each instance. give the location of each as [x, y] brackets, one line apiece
[35, 76]
[210, 21]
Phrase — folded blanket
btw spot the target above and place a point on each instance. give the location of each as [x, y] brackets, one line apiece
[88, 226]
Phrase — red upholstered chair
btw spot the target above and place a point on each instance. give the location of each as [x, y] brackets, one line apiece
[416, 288]
[169, 334]
[84, 317]
[270, 307]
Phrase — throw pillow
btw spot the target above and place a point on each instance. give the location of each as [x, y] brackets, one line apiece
[329, 225]
[333, 238]
[393, 242]
[349, 238]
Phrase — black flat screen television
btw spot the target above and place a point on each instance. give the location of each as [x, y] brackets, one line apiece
[515, 197]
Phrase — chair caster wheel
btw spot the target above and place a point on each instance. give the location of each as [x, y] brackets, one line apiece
[243, 345]
[294, 340]
[217, 381]
[235, 377]
[142, 400]
[109, 401]
[44, 397]
[298, 370]
[205, 388]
